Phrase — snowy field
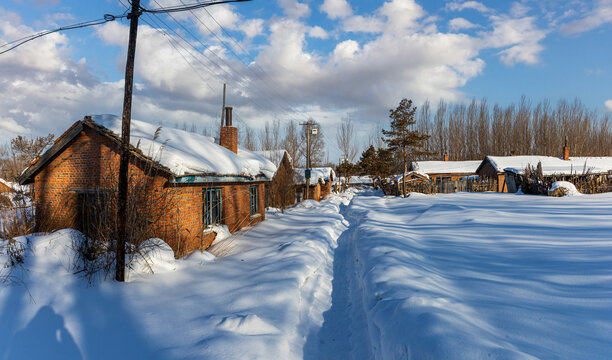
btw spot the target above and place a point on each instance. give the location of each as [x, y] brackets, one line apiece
[458, 276]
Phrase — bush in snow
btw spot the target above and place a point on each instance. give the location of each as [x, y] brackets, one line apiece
[562, 188]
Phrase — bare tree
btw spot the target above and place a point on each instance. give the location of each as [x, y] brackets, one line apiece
[346, 139]
[247, 138]
[291, 144]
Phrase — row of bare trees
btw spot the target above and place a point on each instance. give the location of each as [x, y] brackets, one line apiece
[290, 138]
[477, 129]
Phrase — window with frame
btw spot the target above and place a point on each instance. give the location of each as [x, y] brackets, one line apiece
[212, 207]
[253, 199]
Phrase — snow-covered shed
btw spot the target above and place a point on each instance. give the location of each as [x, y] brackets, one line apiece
[445, 170]
[321, 179]
[206, 183]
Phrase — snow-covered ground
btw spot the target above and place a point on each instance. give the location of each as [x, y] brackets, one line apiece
[478, 276]
[262, 300]
[457, 276]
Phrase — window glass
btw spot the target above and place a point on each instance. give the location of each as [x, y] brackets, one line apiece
[253, 199]
[212, 207]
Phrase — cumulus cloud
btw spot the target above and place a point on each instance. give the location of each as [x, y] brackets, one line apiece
[608, 104]
[460, 24]
[365, 24]
[373, 61]
[474, 5]
[318, 32]
[520, 36]
[336, 8]
[600, 14]
[294, 8]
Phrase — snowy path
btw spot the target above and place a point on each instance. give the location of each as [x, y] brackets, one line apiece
[343, 334]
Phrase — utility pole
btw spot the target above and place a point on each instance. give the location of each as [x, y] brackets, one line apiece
[308, 125]
[124, 159]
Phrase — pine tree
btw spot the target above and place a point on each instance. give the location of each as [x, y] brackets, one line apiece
[376, 163]
[401, 139]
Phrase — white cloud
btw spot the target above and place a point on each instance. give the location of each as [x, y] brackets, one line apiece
[401, 14]
[608, 104]
[252, 27]
[318, 32]
[365, 24]
[474, 5]
[520, 36]
[336, 8]
[10, 125]
[294, 8]
[460, 24]
[601, 14]
[345, 50]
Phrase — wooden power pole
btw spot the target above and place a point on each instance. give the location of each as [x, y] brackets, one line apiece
[124, 160]
[307, 174]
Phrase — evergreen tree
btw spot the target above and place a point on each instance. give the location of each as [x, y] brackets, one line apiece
[401, 140]
[376, 163]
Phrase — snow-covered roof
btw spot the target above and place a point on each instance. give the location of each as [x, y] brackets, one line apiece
[276, 156]
[552, 165]
[187, 153]
[410, 173]
[316, 174]
[446, 167]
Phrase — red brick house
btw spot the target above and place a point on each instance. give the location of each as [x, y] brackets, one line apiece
[207, 183]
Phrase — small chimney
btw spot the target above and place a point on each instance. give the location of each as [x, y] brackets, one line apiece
[446, 156]
[229, 134]
[566, 150]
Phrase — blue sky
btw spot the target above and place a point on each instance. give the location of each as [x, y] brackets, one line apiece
[295, 59]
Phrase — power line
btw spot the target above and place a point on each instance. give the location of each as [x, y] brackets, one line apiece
[171, 9]
[23, 40]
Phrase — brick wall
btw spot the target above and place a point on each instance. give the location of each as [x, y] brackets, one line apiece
[228, 138]
[91, 161]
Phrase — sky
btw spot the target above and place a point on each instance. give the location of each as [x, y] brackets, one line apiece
[291, 60]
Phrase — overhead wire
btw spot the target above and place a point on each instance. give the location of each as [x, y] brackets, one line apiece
[23, 40]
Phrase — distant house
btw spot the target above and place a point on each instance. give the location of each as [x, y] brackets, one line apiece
[321, 180]
[445, 170]
[507, 168]
[280, 192]
[207, 183]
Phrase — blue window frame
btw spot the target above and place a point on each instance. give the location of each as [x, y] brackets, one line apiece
[253, 199]
[212, 207]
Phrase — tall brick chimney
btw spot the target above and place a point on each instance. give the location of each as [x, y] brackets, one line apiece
[229, 134]
[446, 156]
[566, 150]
